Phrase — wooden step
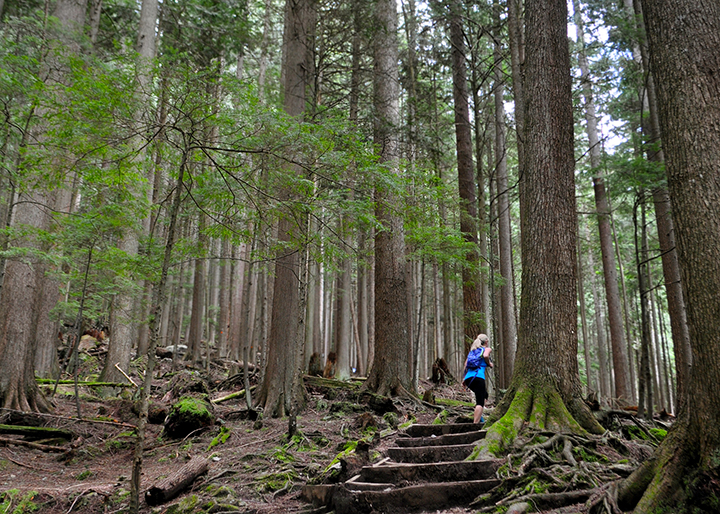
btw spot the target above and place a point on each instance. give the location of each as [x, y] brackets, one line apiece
[431, 453]
[431, 472]
[415, 498]
[420, 430]
[368, 486]
[449, 439]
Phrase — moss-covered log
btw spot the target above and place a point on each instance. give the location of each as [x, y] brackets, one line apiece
[36, 432]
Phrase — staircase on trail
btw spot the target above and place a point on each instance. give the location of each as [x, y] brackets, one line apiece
[426, 471]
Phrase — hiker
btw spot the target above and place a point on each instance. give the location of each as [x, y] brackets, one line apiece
[477, 360]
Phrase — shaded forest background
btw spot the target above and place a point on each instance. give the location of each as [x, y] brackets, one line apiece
[360, 188]
[101, 135]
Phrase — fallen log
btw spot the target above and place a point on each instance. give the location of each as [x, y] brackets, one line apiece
[170, 487]
[36, 432]
[6, 440]
[236, 394]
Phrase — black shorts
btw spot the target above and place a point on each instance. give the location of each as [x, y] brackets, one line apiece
[477, 386]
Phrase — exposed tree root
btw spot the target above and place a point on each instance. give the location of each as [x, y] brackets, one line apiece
[551, 470]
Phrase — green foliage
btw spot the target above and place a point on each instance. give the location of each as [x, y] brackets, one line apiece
[12, 502]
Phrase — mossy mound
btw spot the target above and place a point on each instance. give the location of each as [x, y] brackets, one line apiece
[187, 415]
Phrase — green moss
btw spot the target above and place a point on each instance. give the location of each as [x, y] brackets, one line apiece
[220, 491]
[589, 455]
[658, 433]
[185, 506]
[636, 433]
[410, 421]
[441, 418]
[220, 438]
[83, 475]
[275, 481]
[453, 403]
[391, 419]
[193, 406]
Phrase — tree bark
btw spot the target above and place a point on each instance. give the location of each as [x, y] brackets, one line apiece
[472, 297]
[665, 229]
[545, 391]
[507, 296]
[282, 391]
[391, 371]
[684, 36]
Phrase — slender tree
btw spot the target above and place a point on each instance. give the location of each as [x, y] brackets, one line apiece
[622, 386]
[472, 291]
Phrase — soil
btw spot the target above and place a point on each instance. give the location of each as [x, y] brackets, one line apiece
[253, 466]
[256, 469]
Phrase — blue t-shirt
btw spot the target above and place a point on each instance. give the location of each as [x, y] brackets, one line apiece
[479, 372]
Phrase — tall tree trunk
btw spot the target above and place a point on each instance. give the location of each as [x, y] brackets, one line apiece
[198, 296]
[604, 382]
[391, 371]
[545, 391]
[507, 296]
[591, 384]
[158, 300]
[684, 36]
[282, 390]
[472, 299]
[663, 220]
[623, 388]
[645, 387]
[26, 291]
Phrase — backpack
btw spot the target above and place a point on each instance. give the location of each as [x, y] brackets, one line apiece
[475, 359]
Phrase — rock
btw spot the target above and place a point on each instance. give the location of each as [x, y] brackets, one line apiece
[519, 508]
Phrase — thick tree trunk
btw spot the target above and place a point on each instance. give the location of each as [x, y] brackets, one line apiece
[282, 390]
[663, 220]
[684, 36]
[545, 391]
[391, 371]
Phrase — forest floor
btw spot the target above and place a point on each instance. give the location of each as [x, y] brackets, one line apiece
[253, 466]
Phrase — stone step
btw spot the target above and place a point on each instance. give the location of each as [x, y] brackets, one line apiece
[440, 440]
[415, 498]
[424, 454]
[419, 430]
[406, 473]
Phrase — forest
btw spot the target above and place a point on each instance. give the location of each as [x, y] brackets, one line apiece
[268, 193]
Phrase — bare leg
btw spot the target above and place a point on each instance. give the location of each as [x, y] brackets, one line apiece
[478, 413]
